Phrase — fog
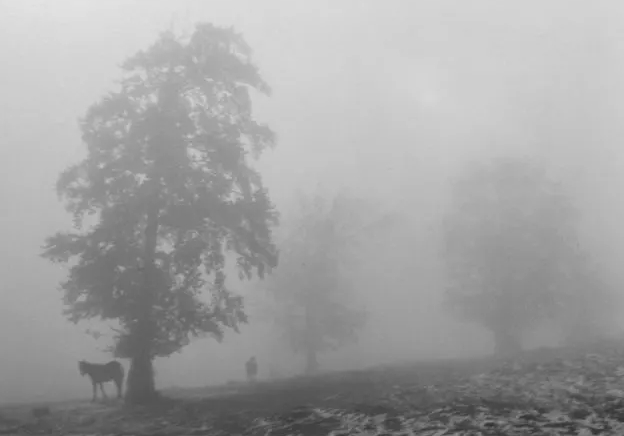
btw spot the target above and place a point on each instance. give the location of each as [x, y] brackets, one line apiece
[385, 98]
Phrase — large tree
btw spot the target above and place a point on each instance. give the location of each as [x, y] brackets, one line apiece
[315, 287]
[512, 249]
[168, 186]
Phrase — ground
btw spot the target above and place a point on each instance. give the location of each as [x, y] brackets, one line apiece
[572, 391]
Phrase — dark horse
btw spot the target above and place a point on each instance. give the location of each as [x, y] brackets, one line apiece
[100, 373]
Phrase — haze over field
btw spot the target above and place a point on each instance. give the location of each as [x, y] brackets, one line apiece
[387, 99]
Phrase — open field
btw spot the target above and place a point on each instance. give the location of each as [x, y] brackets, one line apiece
[546, 392]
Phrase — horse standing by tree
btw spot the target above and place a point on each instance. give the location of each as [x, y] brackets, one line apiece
[101, 373]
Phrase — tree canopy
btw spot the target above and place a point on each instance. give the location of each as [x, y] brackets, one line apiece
[314, 286]
[512, 247]
[169, 184]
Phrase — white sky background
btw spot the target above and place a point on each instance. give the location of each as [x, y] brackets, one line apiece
[387, 97]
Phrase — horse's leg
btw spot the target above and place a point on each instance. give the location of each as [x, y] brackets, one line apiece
[94, 392]
[119, 387]
[103, 391]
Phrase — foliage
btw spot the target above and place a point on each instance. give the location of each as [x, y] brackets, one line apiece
[512, 249]
[168, 181]
[314, 285]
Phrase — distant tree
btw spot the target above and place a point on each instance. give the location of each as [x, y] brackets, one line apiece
[315, 286]
[167, 180]
[511, 248]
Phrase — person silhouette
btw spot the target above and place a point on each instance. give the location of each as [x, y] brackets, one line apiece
[251, 367]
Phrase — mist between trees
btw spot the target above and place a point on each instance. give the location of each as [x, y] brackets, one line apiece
[176, 237]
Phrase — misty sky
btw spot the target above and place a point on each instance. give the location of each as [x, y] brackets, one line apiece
[387, 98]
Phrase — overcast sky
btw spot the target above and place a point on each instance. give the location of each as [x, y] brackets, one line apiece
[385, 97]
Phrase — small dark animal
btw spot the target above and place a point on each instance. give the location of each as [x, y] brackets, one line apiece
[100, 373]
[251, 367]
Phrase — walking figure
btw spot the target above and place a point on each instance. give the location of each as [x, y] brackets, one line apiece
[251, 367]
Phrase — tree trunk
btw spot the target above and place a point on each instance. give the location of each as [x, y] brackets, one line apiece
[312, 364]
[140, 385]
[506, 342]
[507, 337]
[141, 388]
[311, 338]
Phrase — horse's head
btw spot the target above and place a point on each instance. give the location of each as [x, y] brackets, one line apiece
[82, 366]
